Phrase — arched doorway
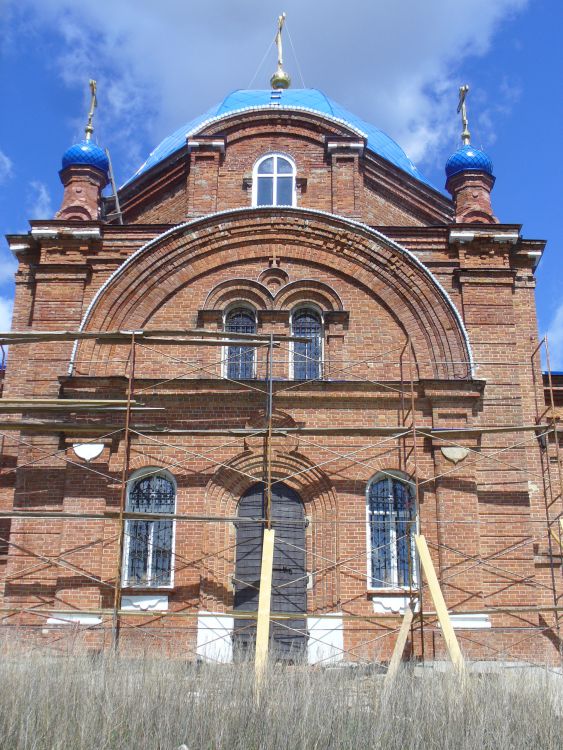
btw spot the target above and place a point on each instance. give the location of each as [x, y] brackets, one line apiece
[288, 638]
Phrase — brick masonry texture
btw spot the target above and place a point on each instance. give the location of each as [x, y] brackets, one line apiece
[484, 518]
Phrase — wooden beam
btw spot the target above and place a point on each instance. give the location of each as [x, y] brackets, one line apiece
[558, 537]
[400, 645]
[68, 401]
[62, 407]
[79, 427]
[439, 603]
[23, 337]
[75, 428]
[264, 605]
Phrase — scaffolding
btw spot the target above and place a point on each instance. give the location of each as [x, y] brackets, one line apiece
[117, 421]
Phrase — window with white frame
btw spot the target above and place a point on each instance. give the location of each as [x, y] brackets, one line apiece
[306, 322]
[391, 527]
[273, 181]
[240, 359]
[149, 545]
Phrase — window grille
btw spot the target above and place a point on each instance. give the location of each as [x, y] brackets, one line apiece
[274, 180]
[148, 547]
[391, 530]
[240, 359]
[307, 356]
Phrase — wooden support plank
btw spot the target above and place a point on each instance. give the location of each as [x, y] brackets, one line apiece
[558, 537]
[439, 603]
[74, 428]
[400, 644]
[264, 604]
[62, 407]
[29, 337]
[155, 430]
[69, 401]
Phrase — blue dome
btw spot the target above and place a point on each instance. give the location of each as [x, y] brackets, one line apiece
[468, 158]
[310, 100]
[86, 152]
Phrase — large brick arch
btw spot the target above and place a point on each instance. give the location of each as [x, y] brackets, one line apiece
[153, 274]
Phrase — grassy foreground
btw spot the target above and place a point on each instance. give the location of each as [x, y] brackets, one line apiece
[84, 703]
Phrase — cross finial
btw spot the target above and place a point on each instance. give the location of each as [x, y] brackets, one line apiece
[89, 129]
[281, 22]
[280, 79]
[465, 135]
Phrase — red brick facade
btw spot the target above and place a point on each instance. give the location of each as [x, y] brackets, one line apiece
[393, 267]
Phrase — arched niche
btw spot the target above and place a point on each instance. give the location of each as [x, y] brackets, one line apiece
[377, 265]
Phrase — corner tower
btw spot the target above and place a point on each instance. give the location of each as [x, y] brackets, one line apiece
[84, 174]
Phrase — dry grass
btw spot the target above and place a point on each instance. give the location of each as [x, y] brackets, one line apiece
[85, 703]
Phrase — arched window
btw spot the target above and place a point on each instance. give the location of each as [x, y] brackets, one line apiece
[148, 547]
[307, 356]
[274, 181]
[391, 516]
[240, 359]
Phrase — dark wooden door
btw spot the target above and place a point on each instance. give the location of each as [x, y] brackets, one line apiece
[288, 638]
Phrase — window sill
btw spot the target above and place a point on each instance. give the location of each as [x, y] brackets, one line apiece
[391, 601]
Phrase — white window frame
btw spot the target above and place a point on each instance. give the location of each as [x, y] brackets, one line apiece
[298, 308]
[241, 305]
[380, 586]
[148, 471]
[274, 175]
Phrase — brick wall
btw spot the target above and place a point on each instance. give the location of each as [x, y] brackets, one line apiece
[482, 517]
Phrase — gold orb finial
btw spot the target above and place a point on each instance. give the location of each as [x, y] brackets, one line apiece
[280, 79]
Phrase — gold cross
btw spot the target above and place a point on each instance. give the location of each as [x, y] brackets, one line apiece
[465, 135]
[93, 104]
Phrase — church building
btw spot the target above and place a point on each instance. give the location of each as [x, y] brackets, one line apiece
[278, 322]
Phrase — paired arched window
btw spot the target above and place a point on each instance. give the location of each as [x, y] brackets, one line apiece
[307, 356]
[148, 547]
[240, 359]
[273, 181]
[391, 520]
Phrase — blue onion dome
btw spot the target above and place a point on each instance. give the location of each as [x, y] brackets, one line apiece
[468, 158]
[88, 153]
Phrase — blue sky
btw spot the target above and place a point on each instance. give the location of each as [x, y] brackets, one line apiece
[160, 64]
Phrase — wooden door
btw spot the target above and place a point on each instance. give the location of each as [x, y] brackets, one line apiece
[288, 638]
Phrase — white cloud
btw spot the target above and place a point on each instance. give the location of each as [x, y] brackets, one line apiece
[6, 307]
[6, 167]
[397, 65]
[8, 267]
[39, 201]
[555, 339]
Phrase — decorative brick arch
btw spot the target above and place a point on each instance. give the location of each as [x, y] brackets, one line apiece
[222, 496]
[382, 268]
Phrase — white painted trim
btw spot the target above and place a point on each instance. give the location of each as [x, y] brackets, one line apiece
[215, 636]
[135, 475]
[392, 603]
[315, 212]
[218, 145]
[88, 451]
[71, 618]
[326, 639]
[44, 232]
[470, 622]
[145, 603]
[394, 587]
[275, 174]
[461, 236]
